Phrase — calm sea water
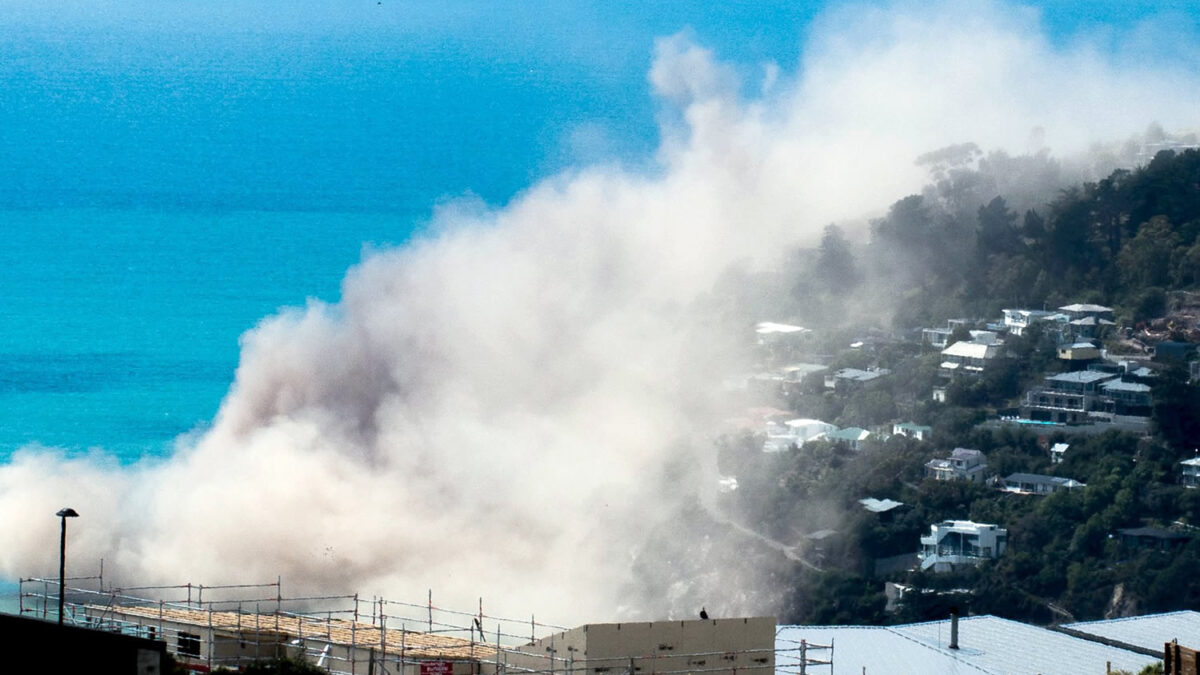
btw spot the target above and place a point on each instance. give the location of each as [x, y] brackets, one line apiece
[119, 327]
[162, 192]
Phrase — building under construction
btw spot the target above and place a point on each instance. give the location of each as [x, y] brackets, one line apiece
[208, 627]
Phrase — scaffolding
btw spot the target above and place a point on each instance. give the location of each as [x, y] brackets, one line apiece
[213, 626]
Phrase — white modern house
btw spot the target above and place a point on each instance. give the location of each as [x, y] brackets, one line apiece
[1018, 320]
[797, 432]
[962, 464]
[1189, 472]
[961, 542]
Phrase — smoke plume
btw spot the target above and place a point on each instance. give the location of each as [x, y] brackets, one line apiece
[495, 408]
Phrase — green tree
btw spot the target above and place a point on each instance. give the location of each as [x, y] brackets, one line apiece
[835, 263]
[1145, 259]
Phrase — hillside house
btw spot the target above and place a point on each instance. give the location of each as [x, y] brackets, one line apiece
[1067, 397]
[968, 358]
[1017, 321]
[938, 337]
[954, 543]
[851, 437]
[849, 380]
[794, 433]
[1078, 354]
[1170, 351]
[1189, 472]
[1089, 327]
[1152, 539]
[1127, 398]
[1038, 484]
[962, 464]
[912, 430]
[1085, 311]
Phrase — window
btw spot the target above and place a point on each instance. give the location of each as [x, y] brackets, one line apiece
[188, 644]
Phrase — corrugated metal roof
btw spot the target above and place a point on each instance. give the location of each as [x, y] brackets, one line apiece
[987, 644]
[1149, 632]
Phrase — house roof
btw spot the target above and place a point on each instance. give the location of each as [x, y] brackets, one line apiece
[971, 350]
[966, 453]
[1082, 376]
[1059, 448]
[987, 644]
[1195, 461]
[770, 327]
[849, 434]
[1120, 385]
[1081, 307]
[968, 526]
[1092, 321]
[1153, 532]
[808, 422]
[860, 375]
[1041, 479]
[1149, 632]
[879, 505]
[911, 426]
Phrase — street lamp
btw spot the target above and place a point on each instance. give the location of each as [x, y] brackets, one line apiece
[62, 557]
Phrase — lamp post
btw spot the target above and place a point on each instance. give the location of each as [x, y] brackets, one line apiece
[62, 558]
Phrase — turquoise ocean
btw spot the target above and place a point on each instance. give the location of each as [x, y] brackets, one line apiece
[163, 192]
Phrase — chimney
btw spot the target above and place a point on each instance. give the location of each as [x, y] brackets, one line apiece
[953, 628]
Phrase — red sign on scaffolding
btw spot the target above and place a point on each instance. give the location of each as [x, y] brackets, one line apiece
[437, 668]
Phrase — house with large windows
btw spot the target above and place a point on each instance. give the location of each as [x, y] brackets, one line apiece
[961, 542]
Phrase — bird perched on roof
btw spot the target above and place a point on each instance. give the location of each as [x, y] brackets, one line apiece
[703, 613]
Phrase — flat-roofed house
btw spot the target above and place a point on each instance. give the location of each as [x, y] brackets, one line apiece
[849, 380]
[1066, 397]
[954, 543]
[1038, 484]
[1127, 398]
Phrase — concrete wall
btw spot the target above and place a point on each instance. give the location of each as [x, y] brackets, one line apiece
[713, 646]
